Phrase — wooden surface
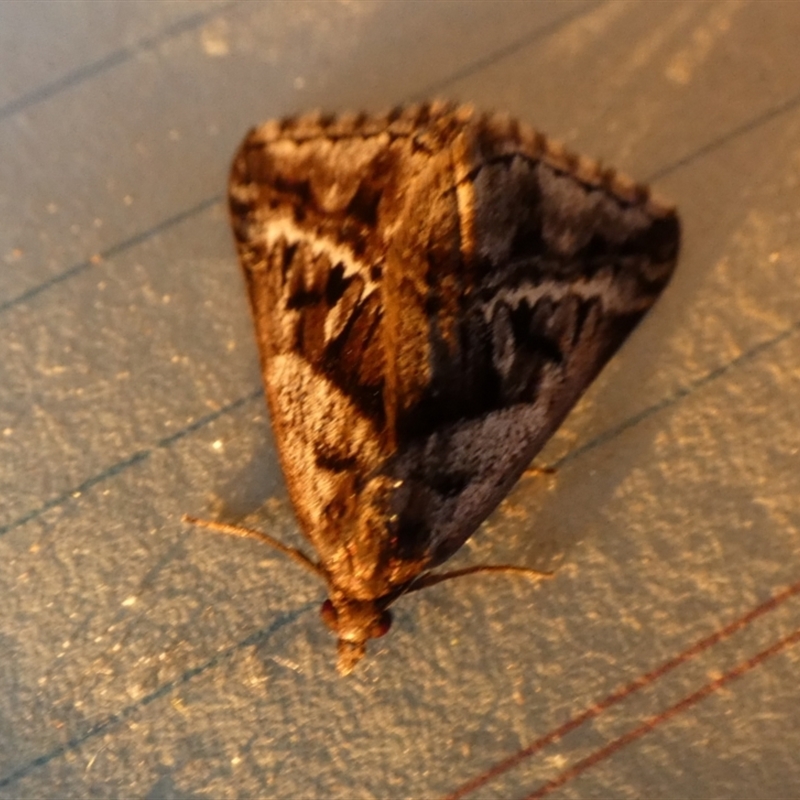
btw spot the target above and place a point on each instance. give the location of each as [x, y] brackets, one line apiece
[141, 658]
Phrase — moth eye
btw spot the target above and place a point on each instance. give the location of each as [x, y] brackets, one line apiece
[328, 614]
[381, 627]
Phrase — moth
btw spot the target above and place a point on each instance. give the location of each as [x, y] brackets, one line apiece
[432, 289]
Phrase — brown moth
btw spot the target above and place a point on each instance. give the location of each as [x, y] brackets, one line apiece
[432, 291]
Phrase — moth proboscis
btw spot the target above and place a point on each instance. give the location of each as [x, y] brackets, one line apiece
[432, 289]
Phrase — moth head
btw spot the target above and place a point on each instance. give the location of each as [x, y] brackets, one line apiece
[354, 622]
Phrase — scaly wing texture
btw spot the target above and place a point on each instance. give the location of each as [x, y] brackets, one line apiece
[432, 290]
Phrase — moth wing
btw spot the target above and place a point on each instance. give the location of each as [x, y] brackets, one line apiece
[556, 269]
[302, 209]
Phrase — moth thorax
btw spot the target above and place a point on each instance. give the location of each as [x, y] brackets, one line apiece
[354, 622]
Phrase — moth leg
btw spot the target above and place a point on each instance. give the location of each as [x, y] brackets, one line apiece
[296, 555]
[535, 472]
[431, 579]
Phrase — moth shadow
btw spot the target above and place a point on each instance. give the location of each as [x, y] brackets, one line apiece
[591, 500]
[246, 487]
[519, 532]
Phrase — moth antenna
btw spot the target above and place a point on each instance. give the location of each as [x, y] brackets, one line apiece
[298, 556]
[431, 579]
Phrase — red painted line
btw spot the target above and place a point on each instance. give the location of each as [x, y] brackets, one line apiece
[620, 694]
[657, 719]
